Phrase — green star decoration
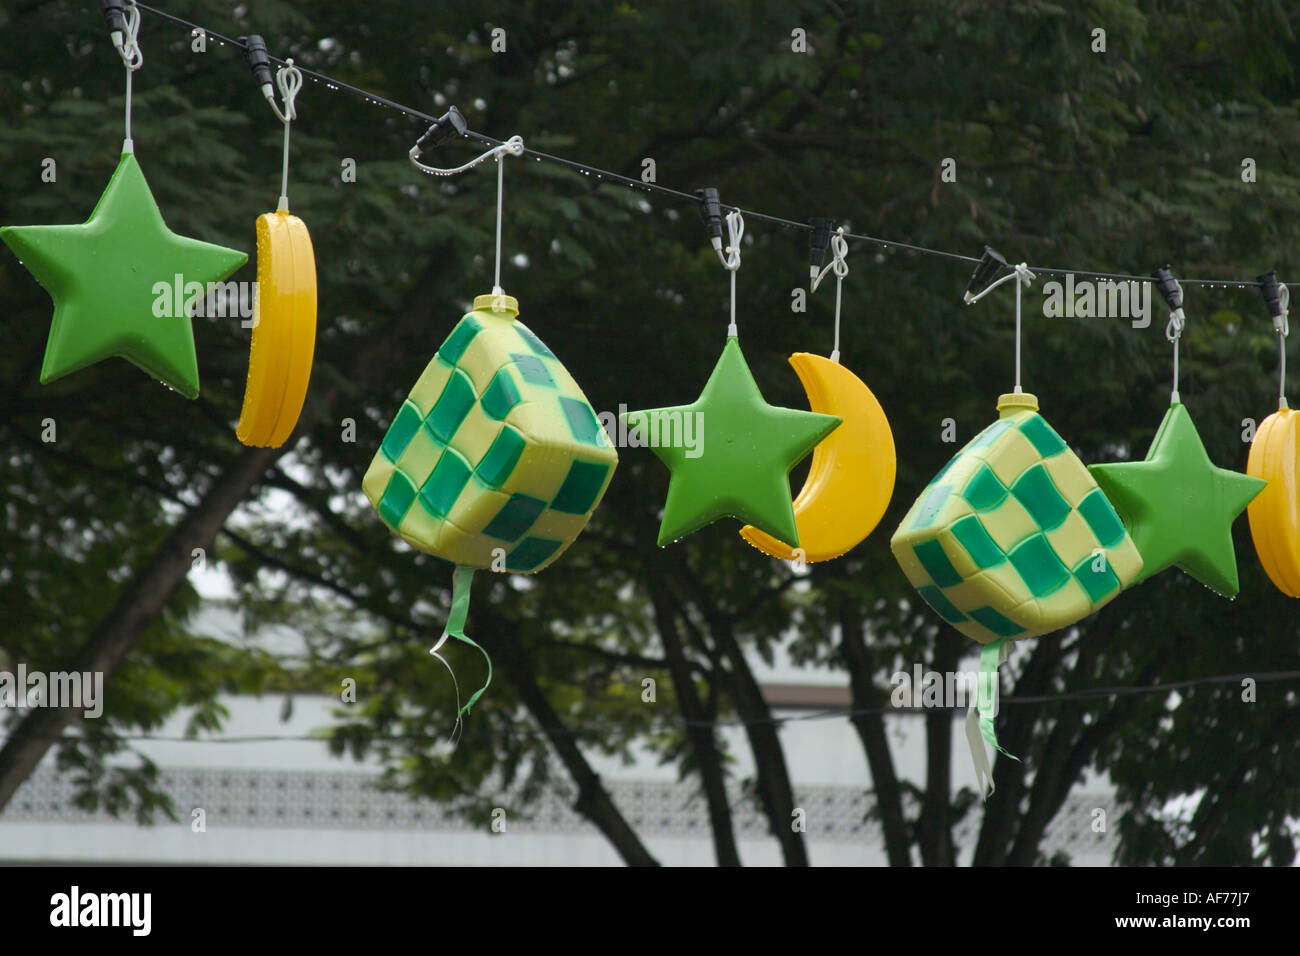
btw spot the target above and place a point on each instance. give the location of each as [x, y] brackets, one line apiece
[1178, 506]
[733, 457]
[101, 275]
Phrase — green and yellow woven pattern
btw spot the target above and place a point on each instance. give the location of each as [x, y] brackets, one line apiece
[496, 447]
[1008, 539]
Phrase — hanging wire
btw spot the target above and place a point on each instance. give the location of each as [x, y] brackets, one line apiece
[618, 178]
[289, 80]
[1023, 275]
[1081, 695]
[132, 58]
[514, 146]
[839, 264]
[501, 187]
[731, 260]
[1173, 333]
[1283, 326]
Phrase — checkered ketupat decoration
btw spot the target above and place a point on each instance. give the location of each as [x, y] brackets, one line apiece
[495, 447]
[1003, 542]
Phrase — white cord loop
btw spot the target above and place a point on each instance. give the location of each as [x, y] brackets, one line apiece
[1282, 325]
[731, 260]
[839, 250]
[289, 80]
[514, 146]
[1173, 332]
[730, 256]
[839, 264]
[128, 48]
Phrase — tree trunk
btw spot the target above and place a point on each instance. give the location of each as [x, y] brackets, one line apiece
[871, 731]
[934, 828]
[594, 801]
[774, 789]
[140, 602]
[699, 731]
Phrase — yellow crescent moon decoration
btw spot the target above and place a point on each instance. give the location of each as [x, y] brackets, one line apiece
[851, 478]
[1273, 520]
[284, 331]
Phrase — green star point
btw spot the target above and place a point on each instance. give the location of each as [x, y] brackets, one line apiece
[737, 454]
[1178, 506]
[104, 276]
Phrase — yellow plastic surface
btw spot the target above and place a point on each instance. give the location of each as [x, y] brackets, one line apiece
[851, 478]
[284, 331]
[1273, 521]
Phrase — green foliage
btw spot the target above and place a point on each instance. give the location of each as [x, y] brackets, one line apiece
[1117, 161]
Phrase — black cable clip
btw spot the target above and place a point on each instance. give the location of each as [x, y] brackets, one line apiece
[819, 242]
[115, 16]
[259, 61]
[449, 124]
[288, 77]
[711, 213]
[990, 264]
[1169, 289]
[1278, 298]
